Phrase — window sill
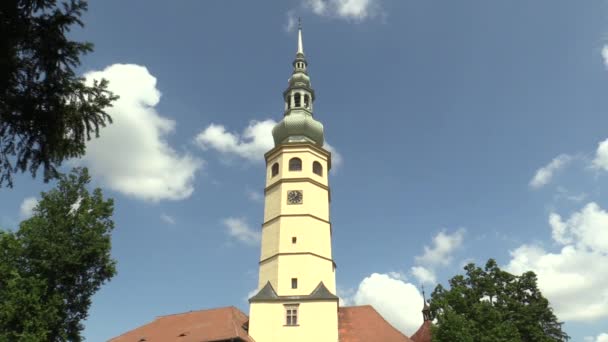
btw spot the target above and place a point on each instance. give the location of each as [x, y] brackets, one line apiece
[291, 325]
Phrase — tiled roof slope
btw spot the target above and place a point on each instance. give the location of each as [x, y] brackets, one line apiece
[423, 334]
[195, 326]
[364, 324]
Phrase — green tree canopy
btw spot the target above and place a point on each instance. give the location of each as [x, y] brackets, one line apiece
[46, 112]
[492, 305]
[51, 267]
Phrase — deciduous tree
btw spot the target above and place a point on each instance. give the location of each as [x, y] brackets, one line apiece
[54, 263]
[492, 305]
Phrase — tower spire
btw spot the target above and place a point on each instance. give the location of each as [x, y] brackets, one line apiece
[426, 310]
[298, 124]
[300, 45]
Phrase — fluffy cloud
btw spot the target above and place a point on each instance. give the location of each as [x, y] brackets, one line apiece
[291, 21]
[567, 277]
[444, 244]
[544, 175]
[251, 144]
[440, 254]
[26, 209]
[600, 338]
[167, 219]
[605, 55]
[398, 301]
[601, 155]
[238, 229]
[345, 9]
[424, 275]
[255, 140]
[132, 155]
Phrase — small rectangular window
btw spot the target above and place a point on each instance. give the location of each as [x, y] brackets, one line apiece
[294, 283]
[294, 239]
[291, 314]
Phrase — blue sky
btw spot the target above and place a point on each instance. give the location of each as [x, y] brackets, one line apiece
[466, 130]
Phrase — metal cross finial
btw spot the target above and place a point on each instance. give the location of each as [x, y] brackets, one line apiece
[299, 23]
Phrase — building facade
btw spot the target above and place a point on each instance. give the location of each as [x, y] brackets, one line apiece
[297, 280]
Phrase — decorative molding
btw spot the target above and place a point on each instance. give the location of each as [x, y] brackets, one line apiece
[296, 180]
[295, 215]
[314, 147]
[298, 253]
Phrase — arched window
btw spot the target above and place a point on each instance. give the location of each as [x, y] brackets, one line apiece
[306, 101]
[297, 99]
[274, 170]
[295, 164]
[288, 102]
[317, 168]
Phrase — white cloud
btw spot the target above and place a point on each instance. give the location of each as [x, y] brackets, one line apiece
[336, 157]
[291, 21]
[356, 9]
[26, 210]
[251, 144]
[544, 175]
[255, 140]
[587, 228]
[605, 55]
[345, 296]
[344, 9]
[399, 302]
[76, 205]
[424, 275]
[240, 230]
[563, 193]
[132, 155]
[251, 294]
[444, 244]
[602, 338]
[568, 277]
[167, 219]
[601, 155]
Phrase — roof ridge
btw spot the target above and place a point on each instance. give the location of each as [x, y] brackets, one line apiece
[357, 306]
[126, 332]
[201, 310]
[236, 332]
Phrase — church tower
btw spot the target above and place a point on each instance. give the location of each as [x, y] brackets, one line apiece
[297, 283]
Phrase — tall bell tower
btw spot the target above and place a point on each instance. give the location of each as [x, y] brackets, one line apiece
[296, 300]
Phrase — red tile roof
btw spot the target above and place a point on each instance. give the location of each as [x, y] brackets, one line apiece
[195, 326]
[424, 333]
[364, 324]
[355, 324]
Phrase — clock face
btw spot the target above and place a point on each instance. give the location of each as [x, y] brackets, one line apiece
[294, 197]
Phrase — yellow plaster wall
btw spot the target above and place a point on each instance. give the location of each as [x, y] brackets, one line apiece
[307, 154]
[309, 269]
[315, 200]
[312, 235]
[269, 272]
[318, 322]
[309, 259]
[272, 203]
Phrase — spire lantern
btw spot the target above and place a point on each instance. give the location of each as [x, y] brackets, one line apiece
[298, 124]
